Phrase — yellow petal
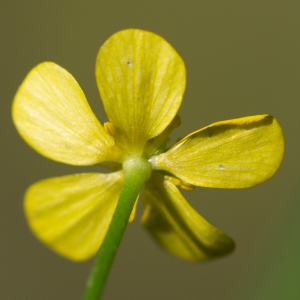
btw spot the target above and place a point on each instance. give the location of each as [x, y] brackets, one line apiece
[141, 80]
[177, 227]
[53, 116]
[237, 153]
[71, 214]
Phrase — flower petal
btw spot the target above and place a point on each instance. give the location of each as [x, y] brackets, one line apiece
[237, 153]
[177, 227]
[53, 116]
[141, 79]
[71, 214]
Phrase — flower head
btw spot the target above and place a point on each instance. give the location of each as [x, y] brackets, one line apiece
[141, 80]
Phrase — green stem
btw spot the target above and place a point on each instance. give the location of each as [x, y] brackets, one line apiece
[136, 172]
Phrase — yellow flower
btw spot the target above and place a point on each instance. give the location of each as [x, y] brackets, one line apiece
[141, 80]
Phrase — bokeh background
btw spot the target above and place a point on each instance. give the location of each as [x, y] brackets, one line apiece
[242, 58]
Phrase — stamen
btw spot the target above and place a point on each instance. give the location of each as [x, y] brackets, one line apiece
[187, 186]
[179, 182]
[118, 138]
[158, 144]
[110, 129]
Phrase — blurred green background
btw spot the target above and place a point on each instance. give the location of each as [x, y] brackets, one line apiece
[242, 58]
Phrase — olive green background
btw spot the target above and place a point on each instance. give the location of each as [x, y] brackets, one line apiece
[242, 58]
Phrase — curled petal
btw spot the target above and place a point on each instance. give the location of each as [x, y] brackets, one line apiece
[53, 116]
[141, 80]
[71, 214]
[177, 227]
[237, 153]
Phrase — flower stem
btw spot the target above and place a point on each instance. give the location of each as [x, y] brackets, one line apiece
[136, 172]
